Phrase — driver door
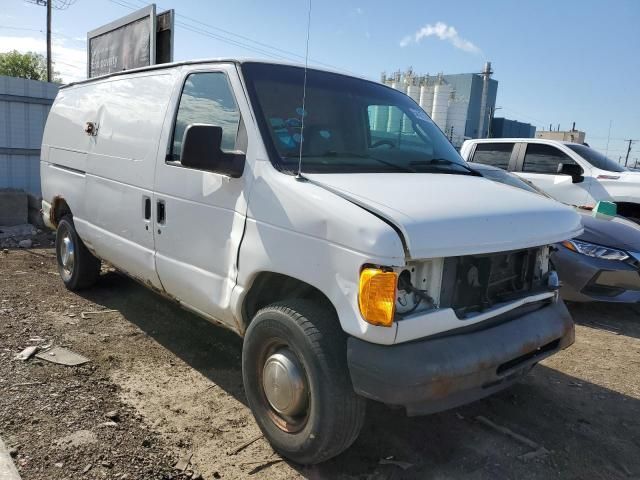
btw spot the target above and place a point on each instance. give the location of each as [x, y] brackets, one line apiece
[201, 214]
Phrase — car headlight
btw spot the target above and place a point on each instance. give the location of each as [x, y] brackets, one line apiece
[597, 251]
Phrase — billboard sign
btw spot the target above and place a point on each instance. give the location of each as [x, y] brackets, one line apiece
[130, 42]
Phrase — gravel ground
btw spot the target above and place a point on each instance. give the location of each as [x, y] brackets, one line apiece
[163, 389]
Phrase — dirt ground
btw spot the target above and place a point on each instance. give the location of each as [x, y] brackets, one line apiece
[163, 385]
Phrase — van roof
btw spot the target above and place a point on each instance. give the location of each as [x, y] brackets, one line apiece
[236, 60]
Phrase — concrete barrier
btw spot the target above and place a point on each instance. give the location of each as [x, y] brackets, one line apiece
[14, 207]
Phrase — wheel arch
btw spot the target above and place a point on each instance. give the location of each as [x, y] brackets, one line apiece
[59, 208]
[270, 287]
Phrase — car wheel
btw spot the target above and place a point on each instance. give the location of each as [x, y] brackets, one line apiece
[297, 381]
[77, 266]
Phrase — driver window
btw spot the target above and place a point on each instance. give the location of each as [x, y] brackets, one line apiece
[542, 158]
[206, 98]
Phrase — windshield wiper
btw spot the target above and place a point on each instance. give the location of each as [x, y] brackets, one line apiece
[444, 161]
[333, 154]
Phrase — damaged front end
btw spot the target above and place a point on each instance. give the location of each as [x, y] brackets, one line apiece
[474, 284]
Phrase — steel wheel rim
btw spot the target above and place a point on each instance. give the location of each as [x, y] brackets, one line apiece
[289, 407]
[66, 254]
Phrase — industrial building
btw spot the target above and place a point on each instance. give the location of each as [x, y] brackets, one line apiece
[505, 128]
[460, 104]
[573, 135]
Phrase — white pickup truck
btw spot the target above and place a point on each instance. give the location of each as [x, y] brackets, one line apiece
[571, 173]
[383, 268]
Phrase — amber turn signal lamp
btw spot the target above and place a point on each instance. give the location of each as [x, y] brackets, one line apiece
[377, 296]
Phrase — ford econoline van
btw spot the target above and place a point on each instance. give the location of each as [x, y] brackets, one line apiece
[324, 218]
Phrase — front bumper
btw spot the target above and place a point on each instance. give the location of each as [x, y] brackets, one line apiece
[585, 279]
[435, 374]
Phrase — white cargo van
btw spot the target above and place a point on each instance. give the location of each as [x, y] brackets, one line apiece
[571, 173]
[384, 268]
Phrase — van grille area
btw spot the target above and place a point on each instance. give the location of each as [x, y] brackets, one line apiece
[475, 283]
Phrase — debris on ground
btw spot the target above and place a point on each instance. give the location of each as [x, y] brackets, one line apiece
[62, 356]
[183, 463]
[86, 315]
[27, 353]
[239, 448]
[113, 415]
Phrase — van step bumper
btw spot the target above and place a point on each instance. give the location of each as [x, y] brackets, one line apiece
[432, 375]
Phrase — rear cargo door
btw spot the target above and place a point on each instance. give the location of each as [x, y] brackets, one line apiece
[200, 215]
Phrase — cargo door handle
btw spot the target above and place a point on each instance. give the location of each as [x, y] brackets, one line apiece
[147, 208]
[160, 212]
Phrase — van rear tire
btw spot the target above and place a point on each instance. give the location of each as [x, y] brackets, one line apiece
[77, 266]
[298, 348]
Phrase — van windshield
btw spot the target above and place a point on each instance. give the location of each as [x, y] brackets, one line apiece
[596, 159]
[350, 125]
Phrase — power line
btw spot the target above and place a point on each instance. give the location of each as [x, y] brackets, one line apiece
[55, 34]
[258, 47]
[55, 4]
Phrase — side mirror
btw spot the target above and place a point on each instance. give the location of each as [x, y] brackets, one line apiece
[571, 169]
[202, 150]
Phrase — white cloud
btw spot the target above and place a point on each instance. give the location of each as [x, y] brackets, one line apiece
[359, 11]
[443, 32]
[71, 62]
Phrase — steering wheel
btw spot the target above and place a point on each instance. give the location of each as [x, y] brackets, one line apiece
[379, 143]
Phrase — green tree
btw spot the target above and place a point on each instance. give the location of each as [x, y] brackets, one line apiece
[30, 65]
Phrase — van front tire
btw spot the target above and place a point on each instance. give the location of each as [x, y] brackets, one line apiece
[77, 266]
[297, 382]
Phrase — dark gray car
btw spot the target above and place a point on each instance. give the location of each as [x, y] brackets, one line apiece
[602, 264]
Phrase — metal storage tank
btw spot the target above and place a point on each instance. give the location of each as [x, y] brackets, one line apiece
[439, 112]
[426, 98]
[413, 91]
[457, 120]
[395, 114]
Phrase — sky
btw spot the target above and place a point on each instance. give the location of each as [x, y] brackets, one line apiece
[557, 62]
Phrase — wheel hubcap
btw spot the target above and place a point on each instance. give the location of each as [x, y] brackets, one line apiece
[67, 254]
[284, 383]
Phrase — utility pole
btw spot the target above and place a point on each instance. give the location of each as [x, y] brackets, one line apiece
[51, 5]
[626, 160]
[49, 69]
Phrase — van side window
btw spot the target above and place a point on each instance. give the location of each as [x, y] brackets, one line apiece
[540, 158]
[206, 98]
[494, 154]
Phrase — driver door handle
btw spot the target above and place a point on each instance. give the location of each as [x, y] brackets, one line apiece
[160, 212]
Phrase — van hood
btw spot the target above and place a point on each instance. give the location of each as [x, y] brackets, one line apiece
[443, 215]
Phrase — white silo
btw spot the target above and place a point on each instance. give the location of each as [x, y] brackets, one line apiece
[395, 114]
[413, 91]
[457, 119]
[426, 97]
[440, 109]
